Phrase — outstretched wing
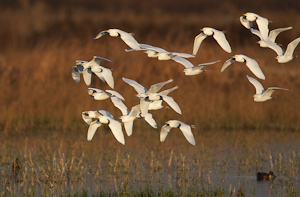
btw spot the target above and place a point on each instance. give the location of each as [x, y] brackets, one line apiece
[148, 117]
[164, 132]
[102, 33]
[187, 132]
[107, 75]
[197, 42]
[220, 37]
[87, 76]
[263, 24]
[98, 60]
[274, 33]
[156, 87]
[116, 94]
[291, 47]
[120, 105]
[92, 129]
[166, 92]
[270, 91]
[254, 67]
[116, 128]
[182, 61]
[258, 87]
[227, 63]
[184, 55]
[138, 87]
[171, 103]
[128, 127]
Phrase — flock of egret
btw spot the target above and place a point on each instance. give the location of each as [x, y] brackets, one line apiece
[153, 98]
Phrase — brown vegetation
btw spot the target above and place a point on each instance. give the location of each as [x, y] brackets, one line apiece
[41, 40]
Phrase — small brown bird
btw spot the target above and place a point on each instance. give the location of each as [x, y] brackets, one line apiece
[16, 167]
[261, 176]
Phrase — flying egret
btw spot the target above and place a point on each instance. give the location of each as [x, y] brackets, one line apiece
[261, 22]
[250, 63]
[261, 94]
[185, 128]
[125, 36]
[88, 68]
[103, 117]
[146, 97]
[219, 36]
[272, 35]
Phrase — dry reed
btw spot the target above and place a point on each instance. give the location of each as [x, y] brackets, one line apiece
[43, 41]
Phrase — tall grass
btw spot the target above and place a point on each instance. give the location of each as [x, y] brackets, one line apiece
[221, 163]
[41, 42]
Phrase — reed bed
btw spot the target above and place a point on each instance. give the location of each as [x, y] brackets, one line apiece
[222, 163]
[42, 43]
[41, 105]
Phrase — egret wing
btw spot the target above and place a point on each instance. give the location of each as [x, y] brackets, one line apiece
[116, 94]
[128, 127]
[183, 55]
[197, 42]
[150, 120]
[138, 87]
[116, 128]
[164, 132]
[92, 129]
[107, 75]
[171, 103]
[291, 47]
[144, 105]
[98, 59]
[184, 62]
[263, 24]
[254, 67]
[166, 92]
[129, 39]
[187, 132]
[227, 63]
[105, 113]
[246, 23]
[208, 63]
[220, 37]
[270, 91]
[274, 33]
[102, 33]
[256, 32]
[120, 105]
[75, 74]
[87, 76]
[258, 86]
[156, 87]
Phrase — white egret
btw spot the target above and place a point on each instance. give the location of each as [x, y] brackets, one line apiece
[261, 94]
[219, 36]
[103, 117]
[261, 22]
[250, 63]
[185, 128]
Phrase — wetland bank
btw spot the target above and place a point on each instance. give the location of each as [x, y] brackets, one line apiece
[223, 163]
[41, 105]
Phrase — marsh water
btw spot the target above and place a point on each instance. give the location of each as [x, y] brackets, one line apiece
[224, 162]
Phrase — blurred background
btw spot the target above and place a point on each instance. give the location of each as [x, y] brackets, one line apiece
[42, 39]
